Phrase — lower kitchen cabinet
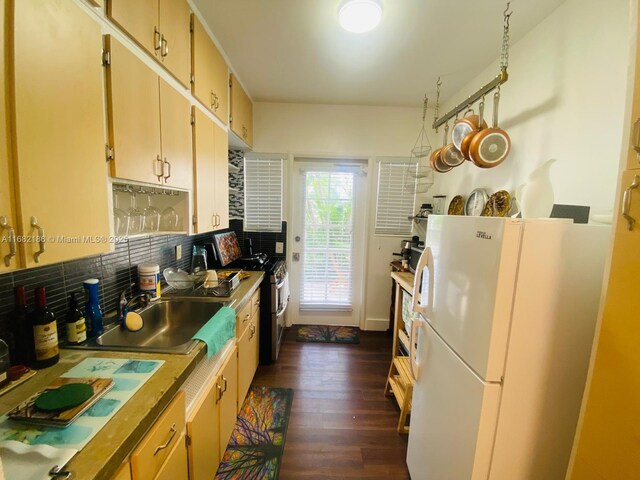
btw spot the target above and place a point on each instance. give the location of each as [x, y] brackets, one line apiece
[248, 345]
[212, 421]
[158, 452]
[124, 473]
[175, 467]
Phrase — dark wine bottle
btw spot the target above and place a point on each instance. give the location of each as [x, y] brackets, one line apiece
[22, 351]
[76, 326]
[45, 332]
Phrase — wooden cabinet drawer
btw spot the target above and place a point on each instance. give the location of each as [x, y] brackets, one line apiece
[255, 302]
[175, 468]
[242, 318]
[152, 451]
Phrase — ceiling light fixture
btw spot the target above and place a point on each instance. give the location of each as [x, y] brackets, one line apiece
[359, 16]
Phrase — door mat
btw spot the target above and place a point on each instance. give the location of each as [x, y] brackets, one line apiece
[257, 442]
[328, 334]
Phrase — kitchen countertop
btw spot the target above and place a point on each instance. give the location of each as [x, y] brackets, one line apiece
[103, 455]
[405, 279]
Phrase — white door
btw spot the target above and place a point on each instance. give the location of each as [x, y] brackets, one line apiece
[474, 263]
[328, 243]
[453, 415]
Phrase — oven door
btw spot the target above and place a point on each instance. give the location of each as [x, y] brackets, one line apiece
[280, 300]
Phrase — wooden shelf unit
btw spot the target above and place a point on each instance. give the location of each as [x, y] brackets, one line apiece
[400, 380]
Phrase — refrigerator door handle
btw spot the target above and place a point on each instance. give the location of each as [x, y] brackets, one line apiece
[414, 363]
[425, 263]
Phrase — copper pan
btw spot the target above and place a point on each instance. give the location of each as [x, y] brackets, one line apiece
[491, 146]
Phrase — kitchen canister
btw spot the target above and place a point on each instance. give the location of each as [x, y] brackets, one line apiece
[149, 279]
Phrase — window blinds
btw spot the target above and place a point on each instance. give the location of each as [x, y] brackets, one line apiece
[396, 197]
[263, 194]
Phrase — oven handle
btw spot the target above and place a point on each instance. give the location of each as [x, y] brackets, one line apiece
[281, 284]
[284, 307]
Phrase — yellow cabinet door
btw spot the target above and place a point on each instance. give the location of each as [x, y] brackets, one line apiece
[228, 400]
[133, 106]
[245, 374]
[59, 128]
[222, 176]
[175, 49]
[204, 173]
[124, 473]
[203, 430]
[177, 152]
[175, 466]
[210, 73]
[139, 19]
[241, 112]
[255, 343]
[9, 259]
[609, 442]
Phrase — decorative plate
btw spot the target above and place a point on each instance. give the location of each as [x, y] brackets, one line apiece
[456, 207]
[498, 204]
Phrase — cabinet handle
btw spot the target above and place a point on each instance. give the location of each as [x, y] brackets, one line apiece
[166, 177]
[246, 317]
[245, 132]
[164, 44]
[635, 140]
[216, 103]
[224, 381]
[257, 303]
[172, 433]
[626, 203]
[220, 392]
[213, 100]
[157, 40]
[155, 168]
[217, 220]
[4, 225]
[252, 327]
[34, 224]
[213, 220]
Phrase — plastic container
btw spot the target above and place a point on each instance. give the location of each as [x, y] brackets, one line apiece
[149, 279]
[93, 311]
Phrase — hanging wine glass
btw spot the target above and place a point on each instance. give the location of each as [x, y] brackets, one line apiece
[120, 218]
[150, 216]
[135, 215]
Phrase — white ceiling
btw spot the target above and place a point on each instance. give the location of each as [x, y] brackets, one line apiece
[295, 51]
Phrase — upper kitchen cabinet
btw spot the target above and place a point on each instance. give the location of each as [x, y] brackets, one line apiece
[210, 75]
[8, 217]
[149, 123]
[241, 118]
[59, 132]
[161, 27]
[211, 180]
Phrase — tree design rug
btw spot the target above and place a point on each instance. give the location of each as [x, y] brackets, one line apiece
[256, 445]
[327, 334]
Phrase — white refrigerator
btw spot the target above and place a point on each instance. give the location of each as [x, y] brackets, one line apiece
[504, 318]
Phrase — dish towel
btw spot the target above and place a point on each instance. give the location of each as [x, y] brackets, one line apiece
[220, 328]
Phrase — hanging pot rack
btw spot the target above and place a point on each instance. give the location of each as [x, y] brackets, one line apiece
[494, 84]
[499, 80]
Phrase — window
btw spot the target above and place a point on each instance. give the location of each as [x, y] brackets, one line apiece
[263, 193]
[396, 197]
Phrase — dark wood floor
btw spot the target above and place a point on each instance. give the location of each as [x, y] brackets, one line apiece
[341, 425]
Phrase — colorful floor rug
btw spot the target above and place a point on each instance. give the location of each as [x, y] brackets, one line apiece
[328, 334]
[256, 445]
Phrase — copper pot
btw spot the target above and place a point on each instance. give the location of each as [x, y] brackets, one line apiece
[435, 160]
[465, 126]
[491, 146]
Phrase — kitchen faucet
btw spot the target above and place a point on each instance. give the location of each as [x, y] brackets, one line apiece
[124, 304]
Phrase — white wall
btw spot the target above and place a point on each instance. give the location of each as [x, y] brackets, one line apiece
[350, 131]
[565, 100]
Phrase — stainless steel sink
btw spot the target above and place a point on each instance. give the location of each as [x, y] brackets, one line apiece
[168, 327]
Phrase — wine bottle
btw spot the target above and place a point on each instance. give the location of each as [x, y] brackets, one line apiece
[22, 351]
[45, 332]
[76, 326]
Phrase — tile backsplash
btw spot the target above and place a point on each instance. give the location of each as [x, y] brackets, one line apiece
[116, 271]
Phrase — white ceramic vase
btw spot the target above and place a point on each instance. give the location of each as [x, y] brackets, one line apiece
[536, 196]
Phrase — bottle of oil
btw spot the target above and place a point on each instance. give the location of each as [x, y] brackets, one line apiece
[45, 332]
[23, 352]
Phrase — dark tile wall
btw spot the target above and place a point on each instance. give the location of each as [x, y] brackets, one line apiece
[236, 181]
[263, 242]
[116, 271]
